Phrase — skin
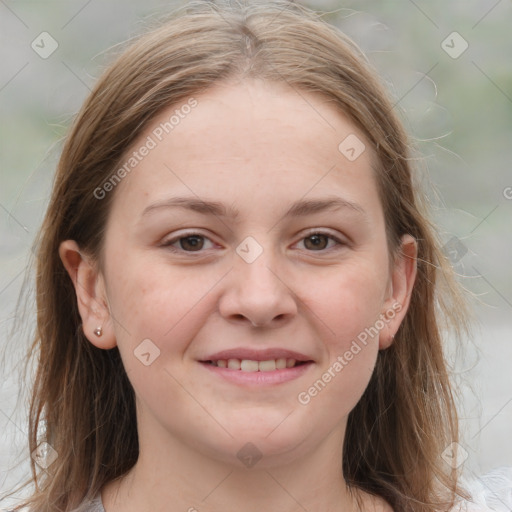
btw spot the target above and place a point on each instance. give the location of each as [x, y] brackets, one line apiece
[257, 147]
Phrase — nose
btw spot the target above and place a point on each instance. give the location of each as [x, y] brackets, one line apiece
[258, 293]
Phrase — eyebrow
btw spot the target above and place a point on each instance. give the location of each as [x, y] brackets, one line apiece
[298, 209]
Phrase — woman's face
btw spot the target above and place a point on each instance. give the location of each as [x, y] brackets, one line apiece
[249, 233]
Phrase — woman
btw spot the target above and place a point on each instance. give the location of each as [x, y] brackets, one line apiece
[240, 295]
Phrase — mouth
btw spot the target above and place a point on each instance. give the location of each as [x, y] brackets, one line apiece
[257, 368]
[251, 365]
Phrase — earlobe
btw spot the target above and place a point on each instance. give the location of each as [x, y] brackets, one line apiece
[90, 294]
[403, 277]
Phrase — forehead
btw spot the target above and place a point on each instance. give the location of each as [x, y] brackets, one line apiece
[253, 118]
[239, 139]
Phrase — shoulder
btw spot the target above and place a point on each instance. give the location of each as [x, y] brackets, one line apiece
[373, 503]
[490, 492]
[94, 505]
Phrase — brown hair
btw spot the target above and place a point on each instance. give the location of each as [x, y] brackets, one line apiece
[406, 417]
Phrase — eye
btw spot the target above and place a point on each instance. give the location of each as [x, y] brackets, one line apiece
[190, 242]
[316, 241]
[319, 241]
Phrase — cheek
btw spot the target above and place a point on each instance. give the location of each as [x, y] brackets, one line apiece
[351, 301]
[352, 320]
[151, 299]
[158, 309]
[350, 341]
[336, 390]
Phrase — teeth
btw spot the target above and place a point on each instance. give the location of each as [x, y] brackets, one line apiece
[234, 364]
[267, 366]
[280, 363]
[248, 365]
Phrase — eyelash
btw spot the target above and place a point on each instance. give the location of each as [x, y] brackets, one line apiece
[168, 243]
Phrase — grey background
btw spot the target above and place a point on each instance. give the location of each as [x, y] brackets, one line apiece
[459, 111]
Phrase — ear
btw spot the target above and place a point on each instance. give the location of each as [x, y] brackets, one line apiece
[402, 278]
[90, 293]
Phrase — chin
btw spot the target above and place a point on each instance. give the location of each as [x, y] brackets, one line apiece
[263, 445]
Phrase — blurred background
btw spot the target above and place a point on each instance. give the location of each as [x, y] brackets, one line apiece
[448, 66]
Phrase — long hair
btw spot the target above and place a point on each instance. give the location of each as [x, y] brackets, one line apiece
[82, 402]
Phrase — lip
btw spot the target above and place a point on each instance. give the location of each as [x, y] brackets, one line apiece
[258, 379]
[256, 355]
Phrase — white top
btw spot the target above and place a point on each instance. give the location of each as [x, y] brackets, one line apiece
[491, 492]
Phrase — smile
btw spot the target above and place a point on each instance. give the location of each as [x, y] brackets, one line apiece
[256, 374]
[249, 365]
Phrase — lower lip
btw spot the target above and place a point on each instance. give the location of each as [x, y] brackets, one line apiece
[259, 378]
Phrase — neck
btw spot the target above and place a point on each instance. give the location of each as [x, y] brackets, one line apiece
[172, 476]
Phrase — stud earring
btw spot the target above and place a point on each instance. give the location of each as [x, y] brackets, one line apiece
[98, 331]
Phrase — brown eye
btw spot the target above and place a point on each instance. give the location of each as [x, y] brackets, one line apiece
[188, 243]
[317, 241]
[191, 243]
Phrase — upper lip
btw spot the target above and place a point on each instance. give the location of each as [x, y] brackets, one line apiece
[256, 355]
